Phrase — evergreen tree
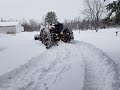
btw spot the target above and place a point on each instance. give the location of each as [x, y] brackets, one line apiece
[114, 12]
[51, 17]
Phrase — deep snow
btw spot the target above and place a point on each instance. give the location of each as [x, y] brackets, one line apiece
[15, 50]
[76, 66]
[104, 39]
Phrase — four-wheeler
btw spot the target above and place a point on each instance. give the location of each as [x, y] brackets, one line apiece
[50, 36]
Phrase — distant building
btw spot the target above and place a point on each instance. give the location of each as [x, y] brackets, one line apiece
[10, 27]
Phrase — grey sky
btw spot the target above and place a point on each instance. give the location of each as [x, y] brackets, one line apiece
[36, 9]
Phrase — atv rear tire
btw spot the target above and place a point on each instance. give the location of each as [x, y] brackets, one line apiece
[67, 35]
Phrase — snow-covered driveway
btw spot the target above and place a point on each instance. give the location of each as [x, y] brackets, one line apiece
[77, 66]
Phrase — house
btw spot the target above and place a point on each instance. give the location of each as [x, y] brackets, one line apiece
[10, 27]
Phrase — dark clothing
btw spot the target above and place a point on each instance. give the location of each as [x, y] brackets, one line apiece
[58, 27]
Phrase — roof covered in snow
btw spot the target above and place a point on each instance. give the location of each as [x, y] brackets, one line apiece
[8, 23]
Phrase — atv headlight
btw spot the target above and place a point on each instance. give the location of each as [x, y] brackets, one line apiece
[67, 33]
[61, 33]
[56, 34]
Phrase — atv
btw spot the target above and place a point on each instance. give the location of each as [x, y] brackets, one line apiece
[51, 36]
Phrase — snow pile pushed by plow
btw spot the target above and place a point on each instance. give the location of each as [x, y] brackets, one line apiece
[77, 66]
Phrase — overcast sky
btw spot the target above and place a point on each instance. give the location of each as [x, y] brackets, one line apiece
[36, 9]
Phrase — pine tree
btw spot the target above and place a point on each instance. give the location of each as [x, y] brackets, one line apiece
[51, 17]
[114, 10]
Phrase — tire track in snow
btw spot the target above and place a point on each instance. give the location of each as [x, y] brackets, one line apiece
[33, 74]
[2, 49]
[61, 65]
[100, 71]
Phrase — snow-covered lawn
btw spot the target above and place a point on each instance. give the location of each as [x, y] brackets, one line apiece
[15, 50]
[106, 40]
[77, 66]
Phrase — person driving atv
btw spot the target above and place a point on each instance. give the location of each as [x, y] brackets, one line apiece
[51, 27]
[58, 28]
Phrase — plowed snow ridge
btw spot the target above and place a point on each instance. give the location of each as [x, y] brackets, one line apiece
[77, 66]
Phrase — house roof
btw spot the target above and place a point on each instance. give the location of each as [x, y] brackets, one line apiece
[8, 23]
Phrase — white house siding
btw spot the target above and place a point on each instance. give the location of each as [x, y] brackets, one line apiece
[10, 27]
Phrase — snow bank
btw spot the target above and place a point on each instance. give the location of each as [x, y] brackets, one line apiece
[100, 70]
[77, 66]
[16, 50]
[105, 39]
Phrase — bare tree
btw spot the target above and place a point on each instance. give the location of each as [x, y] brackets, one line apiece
[31, 25]
[94, 10]
[77, 24]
